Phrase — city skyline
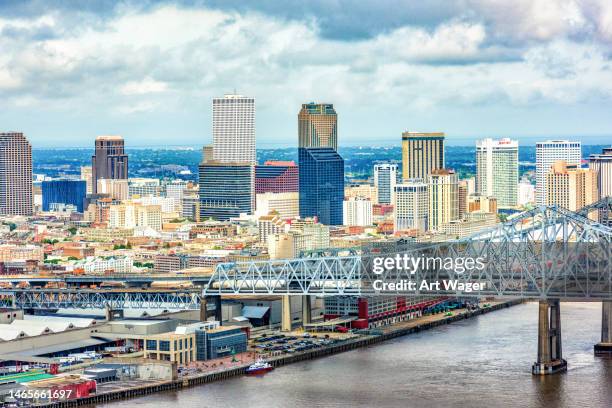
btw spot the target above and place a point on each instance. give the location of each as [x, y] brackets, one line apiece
[541, 71]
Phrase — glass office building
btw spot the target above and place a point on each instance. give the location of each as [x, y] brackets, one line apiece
[64, 192]
[321, 178]
[226, 190]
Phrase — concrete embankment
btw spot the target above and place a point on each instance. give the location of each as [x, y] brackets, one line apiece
[402, 329]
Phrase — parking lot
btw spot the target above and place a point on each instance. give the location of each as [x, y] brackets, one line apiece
[290, 343]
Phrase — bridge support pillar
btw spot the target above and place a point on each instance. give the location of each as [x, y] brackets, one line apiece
[203, 309]
[286, 314]
[604, 348]
[306, 309]
[550, 355]
[205, 314]
[112, 314]
[218, 309]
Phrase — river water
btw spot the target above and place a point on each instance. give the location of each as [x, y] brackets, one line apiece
[480, 362]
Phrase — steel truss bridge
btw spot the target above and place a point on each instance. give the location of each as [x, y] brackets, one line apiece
[545, 253]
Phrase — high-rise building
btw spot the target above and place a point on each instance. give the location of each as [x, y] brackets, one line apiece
[226, 190]
[318, 125]
[87, 176]
[497, 170]
[131, 215]
[443, 197]
[477, 202]
[286, 205]
[602, 164]
[357, 212]
[321, 184]
[411, 206]
[109, 160]
[421, 153]
[15, 174]
[143, 187]
[64, 192]
[190, 207]
[276, 177]
[117, 189]
[385, 178]
[233, 129]
[570, 187]
[549, 152]
[526, 192]
[208, 153]
[367, 191]
[321, 174]
[462, 196]
[176, 190]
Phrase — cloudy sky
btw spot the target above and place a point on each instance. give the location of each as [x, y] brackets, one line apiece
[71, 70]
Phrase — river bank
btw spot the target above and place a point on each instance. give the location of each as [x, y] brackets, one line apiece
[382, 335]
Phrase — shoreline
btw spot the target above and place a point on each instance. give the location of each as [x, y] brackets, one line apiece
[387, 333]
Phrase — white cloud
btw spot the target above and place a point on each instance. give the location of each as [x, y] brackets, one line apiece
[174, 60]
[147, 86]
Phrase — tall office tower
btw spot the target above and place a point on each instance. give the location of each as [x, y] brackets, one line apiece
[570, 187]
[526, 192]
[233, 129]
[15, 174]
[462, 196]
[411, 206]
[87, 176]
[226, 190]
[109, 160]
[276, 177]
[443, 197]
[321, 184]
[497, 170]
[176, 190]
[208, 153]
[421, 153]
[602, 164]
[64, 192]
[385, 177]
[318, 125]
[357, 212]
[549, 152]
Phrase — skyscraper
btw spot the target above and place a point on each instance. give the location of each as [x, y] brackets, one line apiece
[443, 197]
[602, 164]
[462, 194]
[109, 160]
[321, 174]
[224, 190]
[321, 184]
[87, 176]
[385, 177]
[421, 153]
[276, 177]
[497, 170]
[15, 174]
[411, 206]
[549, 152]
[357, 212]
[570, 187]
[318, 125]
[64, 192]
[233, 129]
